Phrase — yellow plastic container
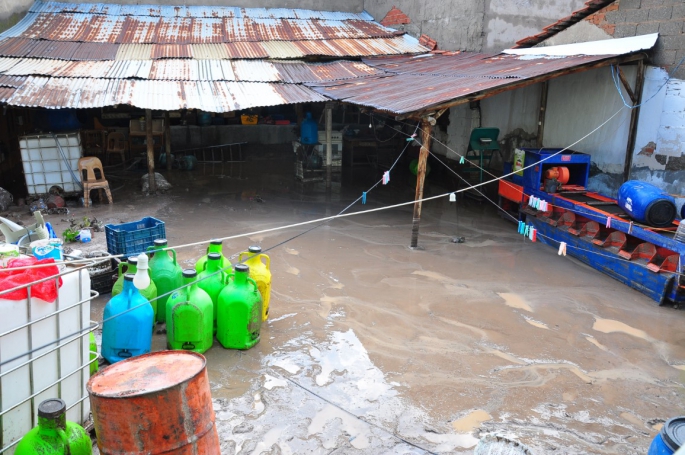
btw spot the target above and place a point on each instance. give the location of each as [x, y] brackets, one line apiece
[249, 119]
[261, 273]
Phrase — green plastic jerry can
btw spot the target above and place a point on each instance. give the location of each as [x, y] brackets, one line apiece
[93, 354]
[189, 317]
[215, 246]
[239, 315]
[261, 273]
[165, 273]
[54, 435]
[131, 266]
[213, 281]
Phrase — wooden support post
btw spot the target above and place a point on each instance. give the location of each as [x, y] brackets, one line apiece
[420, 177]
[634, 117]
[150, 151]
[167, 140]
[329, 145]
[544, 88]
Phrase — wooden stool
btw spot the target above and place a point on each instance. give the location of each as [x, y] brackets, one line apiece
[87, 167]
[116, 144]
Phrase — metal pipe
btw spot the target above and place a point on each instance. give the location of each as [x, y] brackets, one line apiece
[420, 177]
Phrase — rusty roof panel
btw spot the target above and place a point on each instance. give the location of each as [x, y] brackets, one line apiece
[54, 50]
[138, 30]
[12, 81]
[316, 48]
[299, 72]
[442, 78]
[192, 11]
[160, 51]
[183, 30]
[211, 51]
[92, 69]
[175, 30]
[22, 47]
[16, 47]
[245, 50]
[124, 69]
[6, 93]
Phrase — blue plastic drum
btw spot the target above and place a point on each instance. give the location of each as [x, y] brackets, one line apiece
[646, 203]
[670, 438]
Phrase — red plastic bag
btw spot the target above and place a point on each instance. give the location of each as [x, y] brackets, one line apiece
[10, 279]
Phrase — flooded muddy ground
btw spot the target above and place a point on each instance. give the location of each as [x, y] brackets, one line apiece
[374, 348]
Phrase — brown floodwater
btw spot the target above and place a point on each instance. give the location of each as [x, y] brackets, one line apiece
[374, 348]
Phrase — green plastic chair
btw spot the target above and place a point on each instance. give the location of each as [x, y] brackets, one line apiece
[482, 141]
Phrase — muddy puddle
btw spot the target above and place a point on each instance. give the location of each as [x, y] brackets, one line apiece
[374, 348]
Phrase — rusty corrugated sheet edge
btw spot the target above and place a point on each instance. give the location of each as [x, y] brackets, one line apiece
[210, 96]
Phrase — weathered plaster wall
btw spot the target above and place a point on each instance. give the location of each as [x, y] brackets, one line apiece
[454, 24]
[579, 103]
[11, 11]
[475, 25]
[507, 21]
[659, 155]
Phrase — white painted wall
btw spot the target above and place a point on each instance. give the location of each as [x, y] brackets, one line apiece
[579, 103]
[661, 127]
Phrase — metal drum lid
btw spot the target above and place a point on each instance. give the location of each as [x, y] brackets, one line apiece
[146, 374]
[673, 432]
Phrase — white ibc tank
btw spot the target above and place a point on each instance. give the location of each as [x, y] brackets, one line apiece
[56, 370]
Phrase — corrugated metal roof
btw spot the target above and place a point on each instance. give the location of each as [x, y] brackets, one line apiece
[184, 30]
[23, 47]
[418, 83]
[6, 93]
[245, 50]
[217, 96]
[11, 81]
[191, 70]
[160, 51]
[209, 51]
[193, 11]
[282, 49]
[134, 52]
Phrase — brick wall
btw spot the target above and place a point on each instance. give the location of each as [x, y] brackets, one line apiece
[639, 17]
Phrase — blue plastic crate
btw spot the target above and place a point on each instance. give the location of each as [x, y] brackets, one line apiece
[133, 238]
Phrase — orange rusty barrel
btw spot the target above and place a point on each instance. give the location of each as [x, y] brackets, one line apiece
[158, 403]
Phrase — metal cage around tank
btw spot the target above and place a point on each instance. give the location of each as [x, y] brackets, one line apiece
[44, 353]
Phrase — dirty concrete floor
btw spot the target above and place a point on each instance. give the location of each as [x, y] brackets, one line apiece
[374, 348]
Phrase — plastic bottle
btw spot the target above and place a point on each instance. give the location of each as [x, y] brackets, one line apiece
[261, 273]
[189, 317]
[213, 281]
[165, 273]
[131, 266]
[215, 246]
[239, 316]
[127, 333]
[54, 434]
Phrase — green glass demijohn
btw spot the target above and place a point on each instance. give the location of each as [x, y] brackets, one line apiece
[189, 317]
[239, 313]
[131, 266]
[54, 435]
[215, 246]
[165, 273]
[213, 281]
